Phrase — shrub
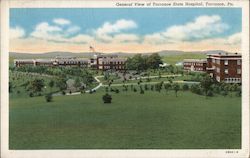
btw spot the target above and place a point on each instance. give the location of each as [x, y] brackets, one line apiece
[63, 92]
[224, 93]
[135, 90]
[152, 87]
[185, 87]
[82, 91]
[210, 93]
[48, 97]
[238, 94]
[107, 89]
[117, 91]
[196, 89]
[31, 94]
[107, 98]
[142, 91]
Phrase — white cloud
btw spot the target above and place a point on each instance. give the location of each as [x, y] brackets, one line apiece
[202, 27]
[73, 29]
[106, 31]
[61, 21]
[234, 39]
[126, 38]
[80, 39]
[16, 32]
[54, 33]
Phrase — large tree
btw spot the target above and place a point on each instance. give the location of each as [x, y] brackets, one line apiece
[37, 85]
[206, 83]
[153, 61]
[143, 62]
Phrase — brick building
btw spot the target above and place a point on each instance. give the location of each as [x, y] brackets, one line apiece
[225, 67]
[107, 62]
[198, 65]
[58, 61]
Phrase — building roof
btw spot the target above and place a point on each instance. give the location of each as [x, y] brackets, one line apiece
[225, 55]
[195, 60]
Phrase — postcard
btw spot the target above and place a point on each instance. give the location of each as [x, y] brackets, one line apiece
[124, 78]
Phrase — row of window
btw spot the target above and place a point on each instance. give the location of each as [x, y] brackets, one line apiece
[112, 62]
[197, 64]
[108, 67]
[232, 80]
[226, 71]
[217, 61]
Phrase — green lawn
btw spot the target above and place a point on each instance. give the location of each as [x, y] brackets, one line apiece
[131, 121]
[172, 59]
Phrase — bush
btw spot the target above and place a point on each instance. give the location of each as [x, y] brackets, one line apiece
[196, 89]
[142, 91]
[107, 89]
[224, 93]
[107, 98]
[210, 93]
[135, 90]
[185, 87]
[238, 94]
[48, 97]
[31, 94]
[63, 92]
[117, 91]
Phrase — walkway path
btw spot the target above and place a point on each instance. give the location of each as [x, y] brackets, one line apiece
[121, 84]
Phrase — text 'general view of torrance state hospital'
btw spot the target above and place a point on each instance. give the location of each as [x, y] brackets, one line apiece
[224, 67]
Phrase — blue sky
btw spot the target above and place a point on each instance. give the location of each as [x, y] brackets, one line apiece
[142, 23]
[149, 20]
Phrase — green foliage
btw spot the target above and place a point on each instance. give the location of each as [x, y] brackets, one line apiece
[224, 93]
[141, 63]
[107, 98]
[37, 85]
[206, 83]
[167, 86]
[195, 88]
[185, 87]
[210, 93]
[176, 88]
[31, 94]
[77, 83]
[48, 97]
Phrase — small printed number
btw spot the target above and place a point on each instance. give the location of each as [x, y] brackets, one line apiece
[231, 152]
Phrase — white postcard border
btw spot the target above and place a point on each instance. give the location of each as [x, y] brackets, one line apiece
[5, 152]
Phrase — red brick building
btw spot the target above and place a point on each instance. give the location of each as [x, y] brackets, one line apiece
[225, 67]
[198, 65]
[107, 62]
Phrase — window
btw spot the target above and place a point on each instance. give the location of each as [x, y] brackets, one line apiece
[238, 62]
[226, 71]
[238, 71]
[218, 70]
[226, 62]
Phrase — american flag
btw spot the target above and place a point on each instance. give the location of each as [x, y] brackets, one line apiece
[91, 48]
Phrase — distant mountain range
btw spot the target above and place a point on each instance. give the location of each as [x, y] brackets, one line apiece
[89, 54]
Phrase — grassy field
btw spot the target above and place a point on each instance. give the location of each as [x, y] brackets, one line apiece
[172, 59]
[131, 121]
